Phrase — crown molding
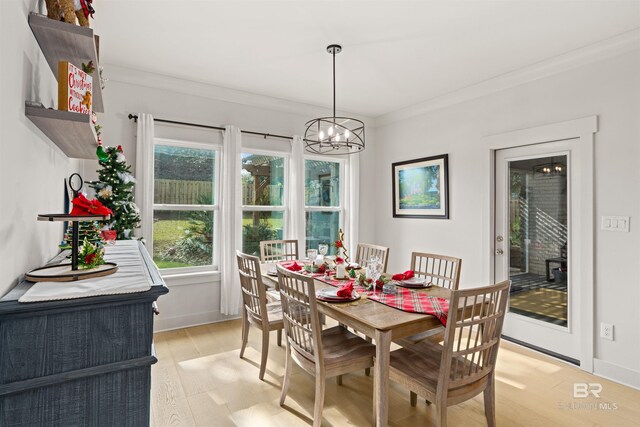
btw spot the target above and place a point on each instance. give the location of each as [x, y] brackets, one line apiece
[210, 91]
[610, 47]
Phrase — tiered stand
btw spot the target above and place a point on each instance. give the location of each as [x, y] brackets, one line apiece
[69, 272]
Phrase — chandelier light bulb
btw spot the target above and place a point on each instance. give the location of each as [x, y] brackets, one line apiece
[330, 131]
[321, 135]
[346, 134]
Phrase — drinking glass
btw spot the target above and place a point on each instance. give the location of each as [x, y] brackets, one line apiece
[312, 254]
[323, 248]
[374, 271]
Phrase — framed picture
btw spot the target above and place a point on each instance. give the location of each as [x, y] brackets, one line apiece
[421, 188]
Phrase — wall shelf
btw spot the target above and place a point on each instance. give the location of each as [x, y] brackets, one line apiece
[60, 41]
[72, 132]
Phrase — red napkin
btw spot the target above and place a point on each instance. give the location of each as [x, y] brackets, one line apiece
[345, 291]
[403, 276]
[293, 267]
[83, 206]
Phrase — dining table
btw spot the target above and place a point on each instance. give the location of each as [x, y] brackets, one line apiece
[380, 322]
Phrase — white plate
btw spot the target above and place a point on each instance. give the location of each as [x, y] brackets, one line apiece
[332, 294]
[415, 282]
[355, 265]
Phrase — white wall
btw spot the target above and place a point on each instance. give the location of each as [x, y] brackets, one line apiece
[196, 299]
[609, 89]
[32, 168]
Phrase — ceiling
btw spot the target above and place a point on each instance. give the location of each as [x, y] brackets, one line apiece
[395, 53]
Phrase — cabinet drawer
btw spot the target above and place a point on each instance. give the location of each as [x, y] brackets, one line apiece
[47, 344]
[113, 399]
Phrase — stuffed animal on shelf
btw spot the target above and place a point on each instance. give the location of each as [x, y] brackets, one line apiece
[69, 10]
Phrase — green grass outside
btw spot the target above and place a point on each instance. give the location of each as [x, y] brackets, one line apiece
[275, 223]
[170, 264]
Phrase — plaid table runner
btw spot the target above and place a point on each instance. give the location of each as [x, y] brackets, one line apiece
[403, 299]
[414, 302]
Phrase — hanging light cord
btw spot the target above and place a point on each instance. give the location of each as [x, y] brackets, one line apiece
[334, 86]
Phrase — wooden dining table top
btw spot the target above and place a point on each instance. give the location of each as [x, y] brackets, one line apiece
[370, 315]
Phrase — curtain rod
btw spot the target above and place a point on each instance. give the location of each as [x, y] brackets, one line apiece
[265, 135]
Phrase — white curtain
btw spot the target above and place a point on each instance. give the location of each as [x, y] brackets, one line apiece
[353, 198]
[295, 222]
[231, 221]
[144, 175]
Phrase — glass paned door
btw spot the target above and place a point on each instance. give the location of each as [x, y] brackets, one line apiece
[537, 204]
[538, 238]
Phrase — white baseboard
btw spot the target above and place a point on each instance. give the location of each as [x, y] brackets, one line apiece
[616, 373]
[162, 324]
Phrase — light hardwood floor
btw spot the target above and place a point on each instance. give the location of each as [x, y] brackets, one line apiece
[199, 380]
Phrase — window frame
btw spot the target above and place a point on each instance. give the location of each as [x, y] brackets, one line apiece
[286, 206]
[342, 208]
[214, 267]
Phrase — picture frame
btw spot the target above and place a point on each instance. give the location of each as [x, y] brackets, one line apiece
[420, 188]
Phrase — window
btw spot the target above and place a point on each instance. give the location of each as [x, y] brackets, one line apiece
[184, 205]
[263, 199]
[323, 197]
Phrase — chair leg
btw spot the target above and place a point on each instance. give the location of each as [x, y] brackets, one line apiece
[279, 337]
[413, 398]
[490, 402]
[265, 353]
[319, 401]
[339, 379]
[287, 374]
[441, 413]
[245, 332]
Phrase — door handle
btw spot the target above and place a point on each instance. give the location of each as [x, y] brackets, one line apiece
[499, 252]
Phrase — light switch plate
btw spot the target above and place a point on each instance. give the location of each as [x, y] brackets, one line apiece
[615, 223]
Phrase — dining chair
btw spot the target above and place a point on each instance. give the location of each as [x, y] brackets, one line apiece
[465, 365]
[322, 353]
[256, 311]
[439, 270]
[364, 251]
[278, 250]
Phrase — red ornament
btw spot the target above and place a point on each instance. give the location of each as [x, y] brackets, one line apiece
[120, 149]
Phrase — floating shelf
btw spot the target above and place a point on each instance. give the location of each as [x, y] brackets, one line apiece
[72, 132]
[60, 41]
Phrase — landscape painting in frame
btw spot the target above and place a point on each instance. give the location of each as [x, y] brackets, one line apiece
[421, 188]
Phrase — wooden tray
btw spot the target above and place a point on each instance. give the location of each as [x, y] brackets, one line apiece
[64, 273]
[67, 217]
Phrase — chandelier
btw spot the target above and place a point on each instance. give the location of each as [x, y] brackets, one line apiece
[334, 135]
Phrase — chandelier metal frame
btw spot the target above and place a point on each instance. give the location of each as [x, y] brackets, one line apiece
[334, 135]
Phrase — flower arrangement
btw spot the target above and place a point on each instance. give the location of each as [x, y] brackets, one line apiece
[90, 255]
[368, 283]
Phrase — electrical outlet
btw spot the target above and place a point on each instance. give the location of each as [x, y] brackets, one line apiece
[606, 331]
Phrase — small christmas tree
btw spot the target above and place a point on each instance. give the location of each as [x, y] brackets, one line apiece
[114, 189]
[86, 230]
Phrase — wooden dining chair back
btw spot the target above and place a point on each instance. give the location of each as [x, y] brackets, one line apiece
[278, 250]
[440, 270]
[464, 365]
[364, 251]
[265, 316]
[322, 353]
